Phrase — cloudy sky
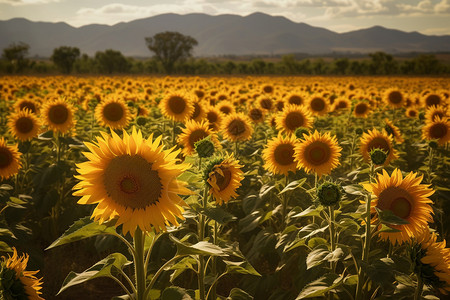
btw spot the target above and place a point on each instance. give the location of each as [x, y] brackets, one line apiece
[425, 16]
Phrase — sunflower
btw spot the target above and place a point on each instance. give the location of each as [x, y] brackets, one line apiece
[214, 117]
[431, 260]
[435, 111]
[318, 153]
[15, 281]
[236, 127]
[267, 88]
[361, 110]
[377, 139]
[177, 107]
[58, 115]
[293, 117]
[113, 113]
[295, 99]
[318, 106]
[226, 107]
[279, 155]
[29, 104]
[393, 130]
[199, 111]
[9, 160]
[132, 180]
[194, 132]
[437, 130]
[265, 103]
[404, 197]
[256, 115]
[224, 176]
[432, 99]
[394, 97]
[24, 125]
[341, 104]
[412, 112]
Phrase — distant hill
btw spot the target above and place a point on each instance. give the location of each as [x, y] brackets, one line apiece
[255, 34]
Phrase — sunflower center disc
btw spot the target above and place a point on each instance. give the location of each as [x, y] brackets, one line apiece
[395, 97]
[24, 125]
[294, 120]
[295, 100]
[212, 117]
[380, 143]
[5, 158]
[196, 136]
[177, 104]
[401, 207]
[360, 109]
[113, 112]
[317, 153]
[131, 182]
[438, 131]
[433, 100]
[255, 114]
[317, 104]
[197, 110]
[284, 154]
[223, 181]
[236, 127]
[58, 114]
[225, 109]
[266, 104]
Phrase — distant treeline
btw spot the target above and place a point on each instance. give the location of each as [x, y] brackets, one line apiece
[114, 62]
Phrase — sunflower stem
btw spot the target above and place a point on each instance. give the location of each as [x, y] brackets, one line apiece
[201, 237]
[332, 234]
[173, 132]
[419, 288]
[160, 270]
[139, 263]
[236, 149]
[214, 263]
[284, 204]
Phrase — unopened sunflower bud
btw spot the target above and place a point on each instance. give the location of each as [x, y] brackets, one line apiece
[300, 131]
[329, 194]
[204, 147]
[433, 144]
[378, 156]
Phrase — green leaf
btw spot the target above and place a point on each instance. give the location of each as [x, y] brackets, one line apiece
[354, 189]
[7, 232]
[351, 280]
[316, 241]
[82, 229]
[238, 294]
[104, 268]
[316, 257]
[4, 247]
[293, 185]
[175, 293]
[309, 212]
[388, 217]
[187, 263]
[46, 136]
[320, 286]
[17, 200]
[386, 228]
[6, 187]
[218, 214]
[243, 267]
[200, 248]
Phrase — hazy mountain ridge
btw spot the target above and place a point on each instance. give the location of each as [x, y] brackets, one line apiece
[257, 34]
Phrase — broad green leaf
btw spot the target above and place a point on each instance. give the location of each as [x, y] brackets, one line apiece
[200, 248]
[82, 229]
[175, 293]
[6, 187]
[238, 294]
[388, 217]
[251, 221]
[386, 228]
[104, 268]
[46, 136]
[17, 200]
[354, 189]
[309, 212]
[243, 267]
[316, 257]
[351, 280]
[320, 286]
[218, 214]
[7, 232]
[4, 247]
[187, 263]
[316, 241]
[293, 185]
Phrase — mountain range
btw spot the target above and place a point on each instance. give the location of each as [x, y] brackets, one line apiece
[255, 34]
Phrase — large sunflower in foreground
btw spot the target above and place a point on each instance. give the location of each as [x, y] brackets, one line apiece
[224, 176]
[58, 115]
[431, 260]
[404, 197]
[113, 113]
[134, 180]
[438, 130]
[318, 153]
[24, 125]
[177, 107]
[293, 117]
[377, 139]
[9, 160]
[279, 155]
[194, 132]
[237, 127]
[15, 281]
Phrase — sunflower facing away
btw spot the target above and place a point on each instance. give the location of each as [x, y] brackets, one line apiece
[406, 198]
[236, 127]
[377, 139]
[194, 132]
[224, 176]
[318, 153]
[113, 113]
[134, 180]
[279, 155]
[24, 125]
[438, 130]
[15, 281]
[177, 107]
[293, 117]
[9, 160]
[58, 115]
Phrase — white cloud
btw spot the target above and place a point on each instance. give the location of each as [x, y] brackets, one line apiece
[300, 3]
[27, 2]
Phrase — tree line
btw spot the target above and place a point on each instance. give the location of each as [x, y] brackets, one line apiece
[172, 54]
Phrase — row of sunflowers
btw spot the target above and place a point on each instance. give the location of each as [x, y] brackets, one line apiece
[224, 188]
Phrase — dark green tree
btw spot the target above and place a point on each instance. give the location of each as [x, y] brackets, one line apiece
[112, 61]
[16, 54]
[171, 47]
[64, 58]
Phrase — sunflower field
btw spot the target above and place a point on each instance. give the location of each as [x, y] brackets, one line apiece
[224, 188]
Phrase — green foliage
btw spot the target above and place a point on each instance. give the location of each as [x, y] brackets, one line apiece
[64, 58]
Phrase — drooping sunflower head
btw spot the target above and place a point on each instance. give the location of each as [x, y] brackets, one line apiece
[377, 139]
[394, 97]
[177, 107]
[318, 153]
[237, 127]
[194, 132]
[58, 115]
[113, 113]
[15, 281]
[404, 197]
[438, 130]
[318, 105]
[393, 130]
[224, 176]
[9, 160]
[133, 181]
[24, 125]
[361, 109]
[293, 117]
[279, 155]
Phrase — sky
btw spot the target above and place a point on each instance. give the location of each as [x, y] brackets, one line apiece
[424, 16]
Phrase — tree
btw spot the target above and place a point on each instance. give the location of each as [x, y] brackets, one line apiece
[171, 47]
[112, 61]
[64, 58]
[16, 54]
